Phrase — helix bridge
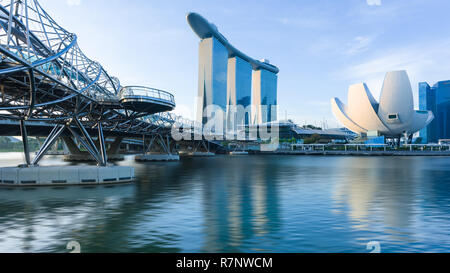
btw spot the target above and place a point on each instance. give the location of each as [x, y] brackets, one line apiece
[45, 78]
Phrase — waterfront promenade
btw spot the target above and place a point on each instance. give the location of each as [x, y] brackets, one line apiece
[357, 153]
[360, 150]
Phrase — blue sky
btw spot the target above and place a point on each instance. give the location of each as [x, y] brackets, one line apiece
[320, 46]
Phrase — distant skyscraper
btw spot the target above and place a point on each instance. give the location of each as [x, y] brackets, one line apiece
[212, 76]
[264, 96]
[437, 100]
[427, 101]
[239, 91]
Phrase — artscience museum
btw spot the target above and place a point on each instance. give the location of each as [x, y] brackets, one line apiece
[393, 116]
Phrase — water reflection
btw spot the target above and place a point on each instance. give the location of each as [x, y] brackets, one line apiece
[385, 196]
[46, 218]
[241, 204]
[378, 184]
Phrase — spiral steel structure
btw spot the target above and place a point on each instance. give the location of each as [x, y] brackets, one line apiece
[45, 76]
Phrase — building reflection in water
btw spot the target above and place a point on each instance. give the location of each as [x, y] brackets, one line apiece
[248, 204]
[379, 193]
[240, 206]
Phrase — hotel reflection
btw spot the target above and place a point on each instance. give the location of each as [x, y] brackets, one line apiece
[232, 80]
[236, 211]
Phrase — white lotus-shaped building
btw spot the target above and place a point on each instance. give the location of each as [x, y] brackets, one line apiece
[393, 116]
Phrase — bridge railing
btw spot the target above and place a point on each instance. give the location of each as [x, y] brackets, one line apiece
[141, 91]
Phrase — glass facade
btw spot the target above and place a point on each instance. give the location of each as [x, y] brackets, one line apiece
[213, 66]
[239, 92]
[427, 101]
[230, 84]
[437, 100]
[264, 96]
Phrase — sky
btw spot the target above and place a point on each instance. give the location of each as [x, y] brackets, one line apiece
[320, 46]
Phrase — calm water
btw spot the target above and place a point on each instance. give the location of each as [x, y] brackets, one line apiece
[241, 204]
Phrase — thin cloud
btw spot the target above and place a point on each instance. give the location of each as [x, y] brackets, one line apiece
[73, 2]
[373, 2]
[425, 62]
[303, 22]
[359, 44]
[336, 45]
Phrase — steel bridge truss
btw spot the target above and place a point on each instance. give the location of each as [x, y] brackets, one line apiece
[44, 76]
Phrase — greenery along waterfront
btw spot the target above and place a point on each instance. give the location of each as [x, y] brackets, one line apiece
[11, 144]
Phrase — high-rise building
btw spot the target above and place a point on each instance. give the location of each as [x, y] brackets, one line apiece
[264, 96]
[212, 76]
[226, 78]
[239, 93]
[427, 101]
[437, 100]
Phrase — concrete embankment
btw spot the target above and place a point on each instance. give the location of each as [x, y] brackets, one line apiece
[157, 157]
[65, 175]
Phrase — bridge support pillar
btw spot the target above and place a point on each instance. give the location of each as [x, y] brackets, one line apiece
[49, 141]
[71, 146]
[159, 149]
[75, 154]
[26, 148]
[101, 141]
[114, 147]
[88, 143]
[198, 148]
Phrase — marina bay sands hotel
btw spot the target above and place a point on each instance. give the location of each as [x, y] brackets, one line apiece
[228, 78]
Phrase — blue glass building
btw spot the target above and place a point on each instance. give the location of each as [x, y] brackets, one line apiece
[264, 96]
[239, 91]
[213, 66]
[437, 100]
[226, 78]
